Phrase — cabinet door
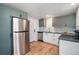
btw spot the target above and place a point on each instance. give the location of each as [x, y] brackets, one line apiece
[47, 37]
[50, 38]
[55, 38]
[41, 23]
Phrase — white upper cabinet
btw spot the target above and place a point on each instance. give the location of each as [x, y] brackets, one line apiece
[45, 22]
[42, 22]
[49, 22]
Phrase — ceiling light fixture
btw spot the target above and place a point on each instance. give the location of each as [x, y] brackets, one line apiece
[73, 4]
[48, 16]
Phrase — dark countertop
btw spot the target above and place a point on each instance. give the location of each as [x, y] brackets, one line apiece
[40, 31]
[69, 38]
[63, 37]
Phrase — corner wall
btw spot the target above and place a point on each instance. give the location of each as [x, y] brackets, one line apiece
[33, 29]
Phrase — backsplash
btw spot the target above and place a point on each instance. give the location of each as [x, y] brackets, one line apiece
[57, 29]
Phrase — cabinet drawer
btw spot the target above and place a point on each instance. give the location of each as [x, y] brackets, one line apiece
[51, 38]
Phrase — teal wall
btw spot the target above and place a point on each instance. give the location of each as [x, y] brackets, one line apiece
[5, 27]
[70, 20]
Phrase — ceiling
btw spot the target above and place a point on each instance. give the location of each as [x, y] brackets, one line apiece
[39, 10]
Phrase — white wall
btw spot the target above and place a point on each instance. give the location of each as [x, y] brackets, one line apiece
[33, 26]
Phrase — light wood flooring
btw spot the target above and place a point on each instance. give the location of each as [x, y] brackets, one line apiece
[41, 48]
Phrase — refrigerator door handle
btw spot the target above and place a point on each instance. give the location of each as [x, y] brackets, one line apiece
[20, 31]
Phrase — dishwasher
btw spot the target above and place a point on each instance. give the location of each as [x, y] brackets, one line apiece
[40, 36]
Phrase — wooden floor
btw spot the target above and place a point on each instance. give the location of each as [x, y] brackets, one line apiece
[41, 48]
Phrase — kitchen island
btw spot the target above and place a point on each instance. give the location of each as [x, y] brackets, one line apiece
[71, 38]
[68, 45]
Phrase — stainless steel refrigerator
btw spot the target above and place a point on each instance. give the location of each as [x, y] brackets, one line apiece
[20, 36]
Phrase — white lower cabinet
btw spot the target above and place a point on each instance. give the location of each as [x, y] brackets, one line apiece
[51, 38]
[68, 48]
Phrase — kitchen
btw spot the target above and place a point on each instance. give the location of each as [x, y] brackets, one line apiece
[57, 26]
[64, 25]
[52, 30]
